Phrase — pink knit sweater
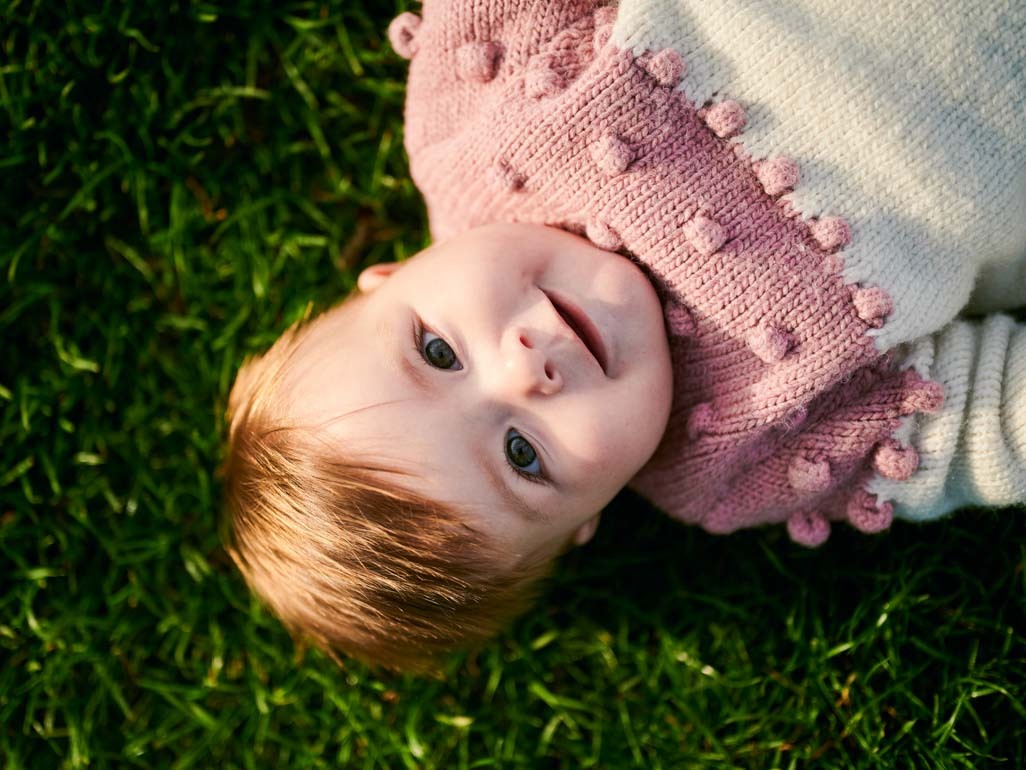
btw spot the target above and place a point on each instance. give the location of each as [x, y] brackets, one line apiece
[783, 408]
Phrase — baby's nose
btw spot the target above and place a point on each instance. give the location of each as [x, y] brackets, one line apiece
[529, 367]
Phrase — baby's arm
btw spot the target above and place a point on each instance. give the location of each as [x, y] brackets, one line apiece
[972, 451]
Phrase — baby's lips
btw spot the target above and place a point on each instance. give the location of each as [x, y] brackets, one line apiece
[583, 327]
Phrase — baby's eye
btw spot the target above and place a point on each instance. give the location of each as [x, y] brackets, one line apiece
[436, 352]
[522, 456]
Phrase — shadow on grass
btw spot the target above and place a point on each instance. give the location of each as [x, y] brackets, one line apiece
[644, 565]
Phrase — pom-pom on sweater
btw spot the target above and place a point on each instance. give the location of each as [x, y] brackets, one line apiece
[815, 190]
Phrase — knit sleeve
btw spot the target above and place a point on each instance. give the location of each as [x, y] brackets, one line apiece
[972, 452]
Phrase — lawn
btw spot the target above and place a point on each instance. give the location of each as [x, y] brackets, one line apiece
[180, 181]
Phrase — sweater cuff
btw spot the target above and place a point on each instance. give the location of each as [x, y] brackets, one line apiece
[973, 451]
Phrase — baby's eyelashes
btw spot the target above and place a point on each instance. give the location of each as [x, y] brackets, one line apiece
[437, 353]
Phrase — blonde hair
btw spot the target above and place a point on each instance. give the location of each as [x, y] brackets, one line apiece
[346, 559]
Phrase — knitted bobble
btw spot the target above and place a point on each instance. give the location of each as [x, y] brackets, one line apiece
[679, 319]
[726, 118]
[806, 475]
[541, 80]
[808, 528]
[831, 233]
[611, 154]
[402, 34]
[506, 177]
[776, 175]
[921, 395]
[700, 420]
[705, 234]
[667, 67]
[478, 61]
[770, 343]
[866, 516]
[602, 235]
[895, 461]
[872, 304]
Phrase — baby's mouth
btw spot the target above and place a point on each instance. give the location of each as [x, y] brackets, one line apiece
[582, 326]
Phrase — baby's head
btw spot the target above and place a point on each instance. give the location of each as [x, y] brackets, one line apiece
[403, 470]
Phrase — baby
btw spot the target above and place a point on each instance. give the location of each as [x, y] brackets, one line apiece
[623, 292]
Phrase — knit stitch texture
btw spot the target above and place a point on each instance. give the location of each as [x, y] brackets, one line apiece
[785, 404]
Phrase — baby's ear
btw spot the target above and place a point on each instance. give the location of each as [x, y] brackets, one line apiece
[586, 531]
[372, 277]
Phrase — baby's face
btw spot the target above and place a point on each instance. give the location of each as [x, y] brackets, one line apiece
[499, 382]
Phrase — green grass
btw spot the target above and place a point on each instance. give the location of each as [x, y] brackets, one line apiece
[180, 181]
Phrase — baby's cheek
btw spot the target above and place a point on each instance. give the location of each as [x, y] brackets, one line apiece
[612, 449]
[612, 430]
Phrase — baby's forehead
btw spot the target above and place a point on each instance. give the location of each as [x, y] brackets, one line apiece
[317, 340]
[348, 312]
